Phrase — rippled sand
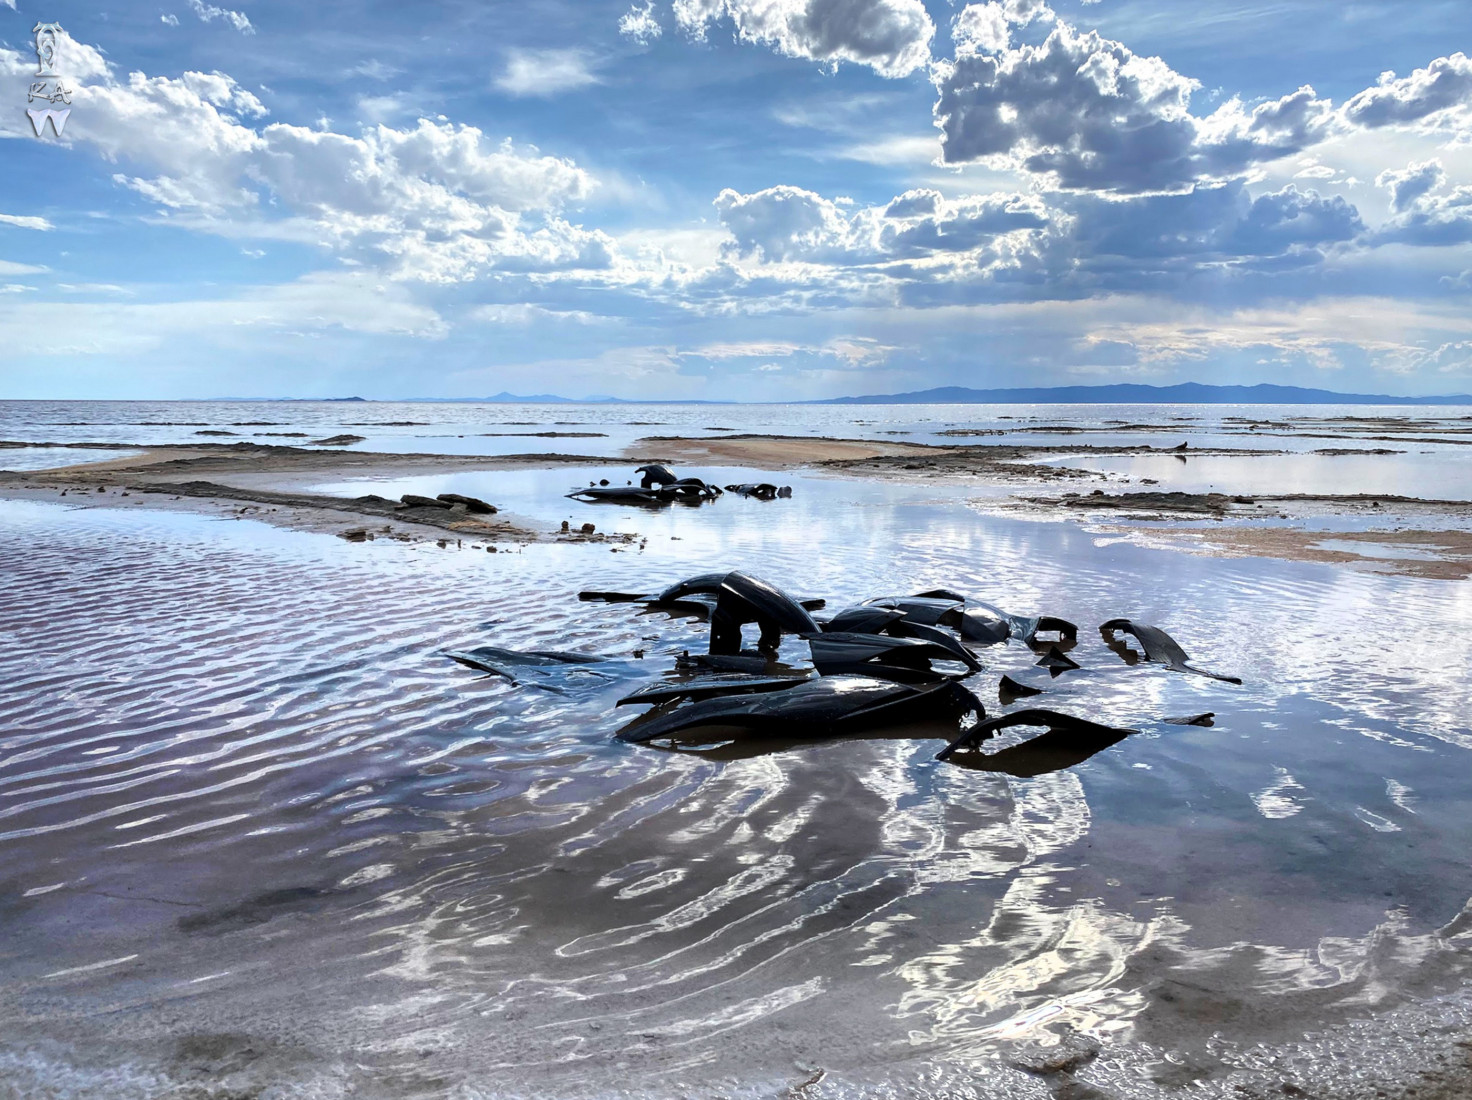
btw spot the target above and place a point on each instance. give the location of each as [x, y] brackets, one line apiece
[257, 834]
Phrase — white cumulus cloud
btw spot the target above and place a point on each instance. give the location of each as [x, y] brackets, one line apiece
[208, 13]
[890, 36]
[435, 201]
[640, 24]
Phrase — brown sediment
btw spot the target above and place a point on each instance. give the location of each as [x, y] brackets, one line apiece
[907, 461]
[256, 480]
[1449, 553]
[767, 451]
[1242, 506]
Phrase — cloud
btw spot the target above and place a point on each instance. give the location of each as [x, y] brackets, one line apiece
[169, 20]
[1425, 213]
[845, 352]
[1086, 113]
[10, 267]
[525, 313]
[546, 72]
[1089, 114]
[890, 36]
[434, 201]
[316, 303]
[787, 223]
[24, 221]
[374, 69]
[1318, 332]
[208, 13]
[640, 24]
[1444, 84]
[1408, 185]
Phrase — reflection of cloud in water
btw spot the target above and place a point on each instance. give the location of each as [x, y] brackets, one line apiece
[498, 876]
[1277, 800]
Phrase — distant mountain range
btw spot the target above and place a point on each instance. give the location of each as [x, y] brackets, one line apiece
[1123, 393]
[1186, 393]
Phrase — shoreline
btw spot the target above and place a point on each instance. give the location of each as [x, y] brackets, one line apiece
[1410, 536]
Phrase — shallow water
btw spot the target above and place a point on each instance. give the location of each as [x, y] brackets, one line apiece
[1431, 474]
[50, 458]
[252, 823]
[606, 429]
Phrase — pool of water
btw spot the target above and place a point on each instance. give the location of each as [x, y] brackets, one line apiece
[255, 827]
[51, 458]
[1428, 473]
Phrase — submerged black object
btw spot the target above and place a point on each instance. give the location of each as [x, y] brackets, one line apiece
[1015, 689]
[925, 610]
[974, 620]
[687, 490]
[617, 494]
[894, 658]
[1081, 731]
[1206, 719]
[515, 664]
[696, 594]
[729, 601]
[818, 707]
[744, 599]
[763, 490]
[704, 687]
[1056, 661]
[655, 474]
[1159, 647]
[989, 624]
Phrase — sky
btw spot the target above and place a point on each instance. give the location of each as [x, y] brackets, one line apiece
[735, 199]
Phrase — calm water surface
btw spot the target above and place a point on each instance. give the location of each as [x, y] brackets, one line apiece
[254, 826]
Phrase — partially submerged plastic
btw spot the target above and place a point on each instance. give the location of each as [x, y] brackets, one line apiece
[1161, 648]
[821, 707]
[1055, 721]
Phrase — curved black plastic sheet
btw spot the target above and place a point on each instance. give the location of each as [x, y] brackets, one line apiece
[1159, 647]
[820, 707]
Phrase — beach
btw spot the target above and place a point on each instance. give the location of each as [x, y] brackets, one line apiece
[260, 837]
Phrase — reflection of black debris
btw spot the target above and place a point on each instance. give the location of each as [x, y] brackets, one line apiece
[1067, 736]
[892, 666]
[659, 486]
[763, 490]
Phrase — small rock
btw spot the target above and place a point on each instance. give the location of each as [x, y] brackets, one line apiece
[412, 500]
[472, 504]
[100, 489]
[490, 549]
[564, 525]
[355, 534]
[1070, 1055]
[587, 528]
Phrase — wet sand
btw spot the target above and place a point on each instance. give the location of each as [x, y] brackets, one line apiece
[265, 482]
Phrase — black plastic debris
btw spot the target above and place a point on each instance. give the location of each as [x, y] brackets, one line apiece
[1159, 647]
